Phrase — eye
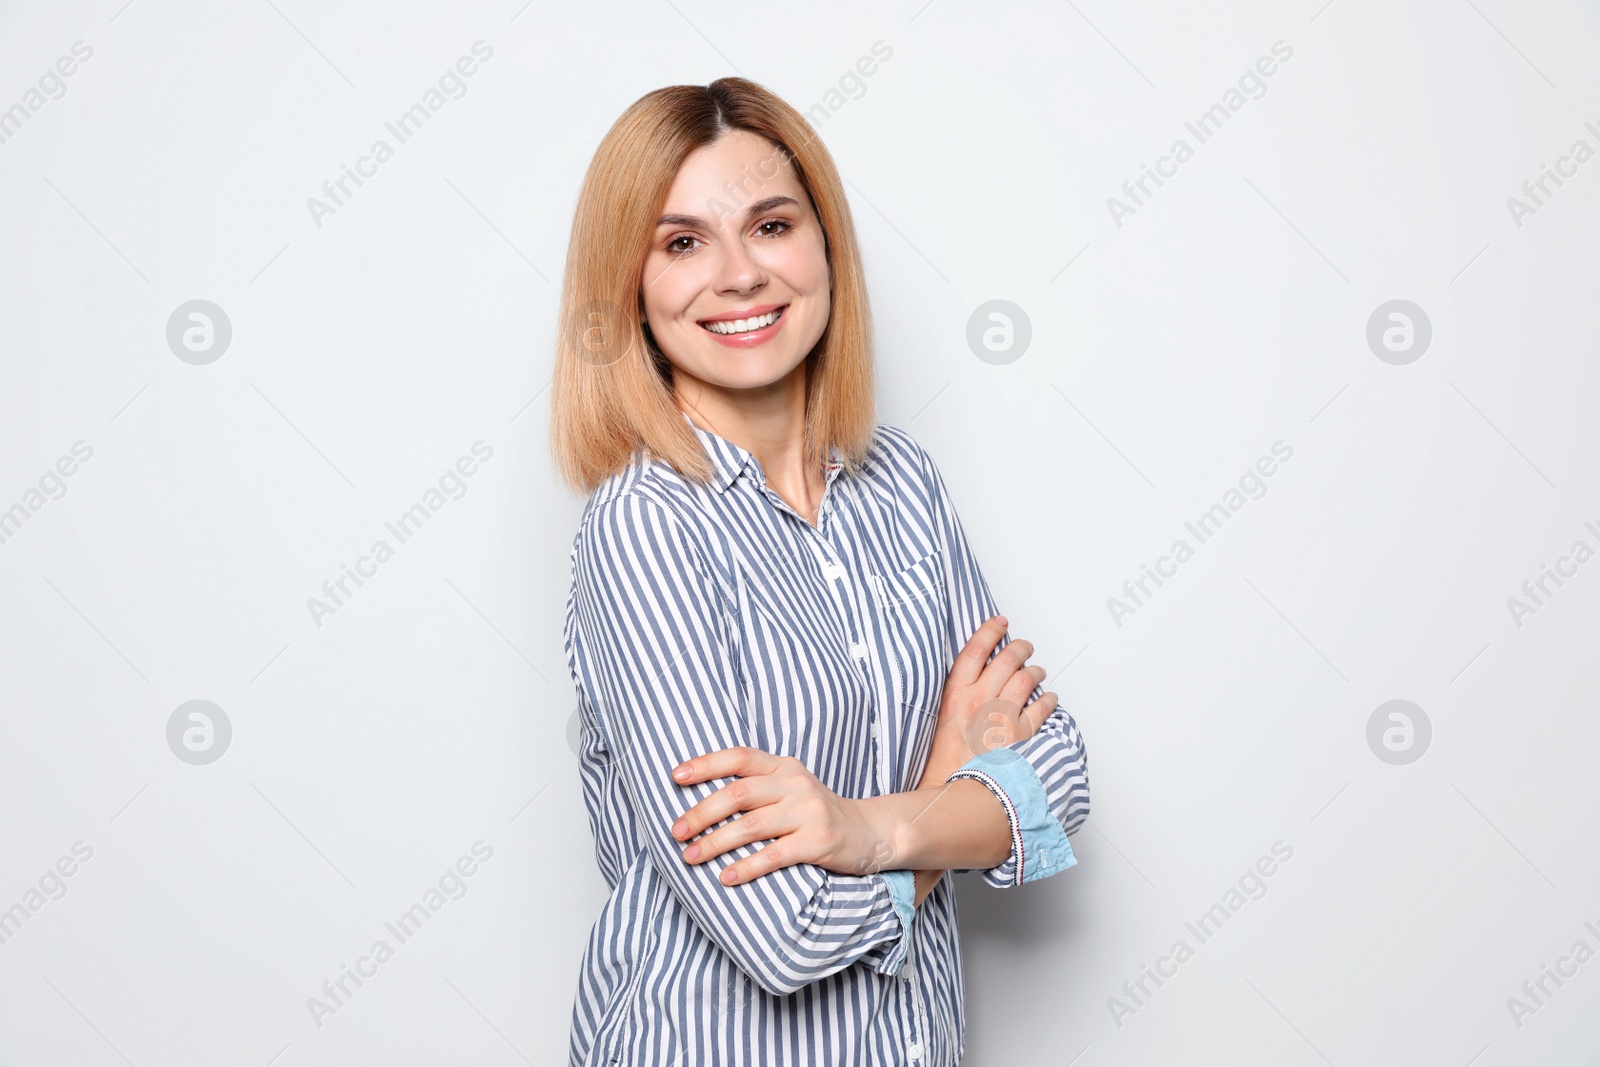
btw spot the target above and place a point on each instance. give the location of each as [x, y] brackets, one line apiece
[673, 247]
[775, 222]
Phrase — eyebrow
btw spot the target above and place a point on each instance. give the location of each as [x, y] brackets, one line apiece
[695, 222]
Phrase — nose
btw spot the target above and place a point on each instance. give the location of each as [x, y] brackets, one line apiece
[738, 272]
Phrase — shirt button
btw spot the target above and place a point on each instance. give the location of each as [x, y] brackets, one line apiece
[908, 971]
[858, 650]
[874, 727]
[833, 572]
[914, 1050]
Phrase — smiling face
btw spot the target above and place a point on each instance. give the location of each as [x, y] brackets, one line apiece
[735, 284]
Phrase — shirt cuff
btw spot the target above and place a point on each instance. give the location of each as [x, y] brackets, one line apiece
[903, 891]
[1039, 846]
[890, 956]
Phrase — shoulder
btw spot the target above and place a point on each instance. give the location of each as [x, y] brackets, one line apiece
[646, 484]
[644, 517]
[897, 461]
[637, 493]
[896, 445]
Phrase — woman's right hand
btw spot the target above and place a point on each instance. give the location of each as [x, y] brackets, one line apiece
[985, 704]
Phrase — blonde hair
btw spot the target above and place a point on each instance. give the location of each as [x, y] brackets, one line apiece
[611, 392]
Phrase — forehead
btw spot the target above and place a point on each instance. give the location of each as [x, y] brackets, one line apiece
[737, 156]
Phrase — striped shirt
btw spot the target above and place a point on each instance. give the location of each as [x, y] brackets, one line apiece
[704, 617]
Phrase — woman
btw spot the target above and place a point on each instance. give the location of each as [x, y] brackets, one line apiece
[773, 608]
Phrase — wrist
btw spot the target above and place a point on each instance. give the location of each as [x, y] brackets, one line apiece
[891, 835]
[935, 774]
[909, 830]
[944, 761]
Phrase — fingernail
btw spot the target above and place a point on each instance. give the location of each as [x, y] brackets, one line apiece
[692, 852]
[679, 827]
[681, 773]
[729, 877]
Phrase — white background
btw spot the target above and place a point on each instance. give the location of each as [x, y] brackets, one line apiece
[432, 709]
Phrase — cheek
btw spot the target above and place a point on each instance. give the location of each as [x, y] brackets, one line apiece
[668, 289]
[803, 265]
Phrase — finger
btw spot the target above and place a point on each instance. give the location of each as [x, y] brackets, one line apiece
[741, 794]
[970, 660]
[771, 858]
[725, 762]
[1040, 710]
[762, 824]
[1006, 662]
[1020, 686]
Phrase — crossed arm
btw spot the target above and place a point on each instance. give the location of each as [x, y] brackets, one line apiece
[939, 825]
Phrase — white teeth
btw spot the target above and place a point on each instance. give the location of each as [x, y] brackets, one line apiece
[743, 325]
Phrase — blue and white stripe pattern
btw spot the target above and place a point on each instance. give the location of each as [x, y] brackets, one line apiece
[704, 617]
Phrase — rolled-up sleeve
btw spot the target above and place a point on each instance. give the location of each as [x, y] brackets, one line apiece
[1042, 781]
[655, 656]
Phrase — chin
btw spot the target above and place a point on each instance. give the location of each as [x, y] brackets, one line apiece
[747, 378]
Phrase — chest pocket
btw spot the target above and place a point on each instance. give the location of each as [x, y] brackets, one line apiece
[915, 608]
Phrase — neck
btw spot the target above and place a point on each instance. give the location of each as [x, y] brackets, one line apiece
[769, 422]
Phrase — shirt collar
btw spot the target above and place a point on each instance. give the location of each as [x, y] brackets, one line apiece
[729, 459]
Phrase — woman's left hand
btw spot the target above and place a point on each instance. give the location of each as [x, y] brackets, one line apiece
[781, 800]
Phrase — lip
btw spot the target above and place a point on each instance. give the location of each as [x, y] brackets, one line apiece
[753, 338]
[743, 313]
